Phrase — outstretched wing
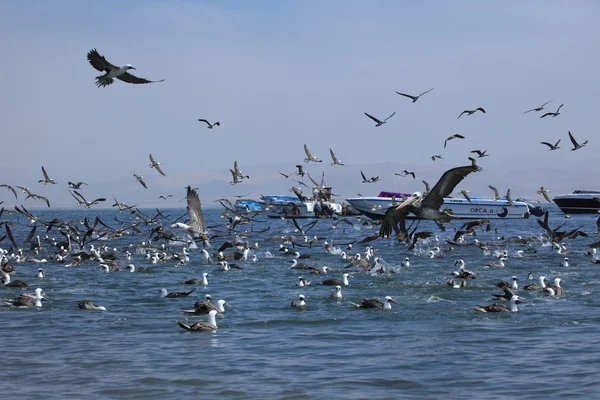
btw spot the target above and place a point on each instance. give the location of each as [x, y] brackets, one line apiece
[308, 155]
[446, 185]
[373, 118]
[394, 113]
[333, 157]
[392, 217]
[496, 195]
[426, 92]
[363, 176]
[46, 177]
[194, 207]
[414, 98]
[570, 137]
[548, 144]
[127, 77]
[99, 62]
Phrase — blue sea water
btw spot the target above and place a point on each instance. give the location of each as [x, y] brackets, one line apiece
[432, 344]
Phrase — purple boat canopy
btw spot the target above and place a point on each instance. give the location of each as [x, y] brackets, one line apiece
[394, 194]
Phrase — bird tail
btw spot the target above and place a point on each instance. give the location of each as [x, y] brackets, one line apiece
[184, 326]
[102, 81]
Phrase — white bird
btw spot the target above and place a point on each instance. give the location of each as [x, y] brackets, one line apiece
[196, 228]
[156, 165]
[335, 159]
[206, 326]
[406, 263]
[112, 71]
[41, 273]
[309, 157]
[337, 295]
[300, 302]
[88, 305]
[565, 262]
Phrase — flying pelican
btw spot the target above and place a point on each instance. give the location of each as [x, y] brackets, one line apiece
[480, 153]
[140, 179]
[552, 147]
[406, 173]
[470, 112]
[455, 136]
[427, 207]
[414, 98]
[576, 146]
[544, 192]
[379, 122]
[112, 71]
[154, 164]
[335, 159]
[309, 158]
[48, 180]
[77, 185]
[554, 114]
[540, 108]
[209, 125]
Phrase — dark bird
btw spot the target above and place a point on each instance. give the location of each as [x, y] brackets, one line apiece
[202, 326]
[112, 71]
[509, 199]
[406, 173]
[140, 179]
[370, 180]
[480, 153]
[46, 179]
[309, 157]
[498, 307]
[335, 159]
[171, 295]
[81, 201]
[465, 193]
[435, 156]
[414, 98]
[455, 136]
[379, 122]
[156, 165]
[300, 170]
[210, 126]
[552, 147]
[196, 227]
[540, 108]
[165, 197]
[76, 185]
[470, 112]
[12, 189]
[376, 303]
[554, 114]
[576, 146]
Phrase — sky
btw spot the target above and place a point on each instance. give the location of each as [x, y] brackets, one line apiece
[280, 74]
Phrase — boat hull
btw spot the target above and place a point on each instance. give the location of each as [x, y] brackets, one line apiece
[306, 209]
[579, 202]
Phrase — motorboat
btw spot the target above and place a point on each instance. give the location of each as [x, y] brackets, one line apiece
[579, 202]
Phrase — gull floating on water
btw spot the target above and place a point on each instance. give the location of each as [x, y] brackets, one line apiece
[112, 71]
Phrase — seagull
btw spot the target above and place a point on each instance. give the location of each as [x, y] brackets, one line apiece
[544, 192]
[465, 194]
[210, 126]
[235, 177]
[76, 185]
[576, 146]
[554, 114]
[203, 326]
[470, 112]
[540, 108]
[46, 179]
[480, 153]
[112, 71]
[196, 227]
[81, 201]
[309, 158]
[433, 157]
[140, 179]
[373, 179]
[378, 122]
[496, 195]
[12, 189]
[414, 98]
[406, 173]
[335, 159]
[552, 147]
[455, 136]
[154, 164]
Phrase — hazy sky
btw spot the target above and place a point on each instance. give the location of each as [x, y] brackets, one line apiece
[278, 74]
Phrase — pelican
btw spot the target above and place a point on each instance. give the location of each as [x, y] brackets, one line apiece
[471, 112]
[497, 307]
[554, 114]
[426, 207]
[379, 122]
[209, 125]
[140, 179]
[552, 146]
[88, 305]
[335, 159]
[112, 71]
[540, 108]
[206, 326]
[376, 303]
[414, 98]
[48, 180]
[544, 192]
[576, 146]
[300, 302]
[156, 165]
[337, 295]
[309, 158]
[455, 136]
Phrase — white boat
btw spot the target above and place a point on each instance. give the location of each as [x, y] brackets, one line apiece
[321, 205]
[477, 208]
[579, 202]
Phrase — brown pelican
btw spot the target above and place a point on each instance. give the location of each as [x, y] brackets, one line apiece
[335, 159]
[455, 136]
[470, 112]
[209, 125]
[554, 114]
[497, 307]
[427, 207]
[540, 108]
[88, 305]
[552, 147]
[154, 164]
[427, 188]
[379, 122]
[309, 158]
[414, 98]
[112, 71]
[140, 179]
[77, 185]
[48, 180]
[406, 173]
[576, 146]
[376, 303]
[480, 153]
[205, 326]
[544, 192]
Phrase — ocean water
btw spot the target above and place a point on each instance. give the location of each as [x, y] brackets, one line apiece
[432, 344]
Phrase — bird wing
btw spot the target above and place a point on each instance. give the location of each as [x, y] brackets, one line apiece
[12, 189]
[548, 144]
[308, 155]
[48, 178]
[363, 176]
[480, 109]
[545, 115]
[445, 142]
[194, 207]
[427, 187]
[373, 118]
[286, 176]
[546, 103]
[392, 217]
[496, 195]
[573, 140]
[409, 96]
[78, 196]
[333, 157]
[533, 109]
[425, 92]
[203, 120]
[545, 194]
[235, 167]
[446, 185]
[152, 159]
[394, 113]
[160, 171]
[140, 180]
[559, 107]
[127, 77]
[99, 62]
[312, 180]
[461, 114]
[458, 136]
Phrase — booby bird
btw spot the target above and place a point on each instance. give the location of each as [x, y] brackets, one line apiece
[8, 283]
[554, 114]
[452, 283]
[335, 159]
[156, 165]
[493, 264]
[88, 305]
[172, 295]
[337, 295]
[205, 326]
[540, 108]
[206, 306]
[497, 307]
[455, 136]
[565, 262]
[333, 281]
[558, 290]
[376, 303]
[302, 282]
[48, 180]
[496, 195]
[300, 302]
[426, 207]
[112, 71]
[480, 153]
[41, 273]
[372, 179]
[462, 272]
[83, 202]
[379, 122]
[12, 189]
[552, 146]
[514, 285]
[140, 179]
[544, 192]
[471, 112]
[436, 156]
[533, 286]
[406, 173]
[414, 98]
[209, 125]
[576, 146]
[309, 158]
[28, 300]
[77, 185]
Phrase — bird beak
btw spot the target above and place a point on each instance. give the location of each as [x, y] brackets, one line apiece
[408, 201]
[393, 301]
[521, 300]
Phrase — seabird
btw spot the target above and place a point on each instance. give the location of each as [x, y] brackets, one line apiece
[540, 108]
[165, 197]
[77, 185]
[565, 262]
[406, 263]
[41, 273]
[172, 295]
[206, 306]
[300, 302]
[27, 300]
[462, 272]
[493, 264]
[552, 146]
[333, 281]
[376, 303]
[337, 295]
[465, 193]
[300, 168]
[436, 156]
[206, 326]
[509, 198]
[82, 201]
[497, 307]
[470, 112]
[414, 98]
[48, 180]
[455, 136]
[554, 114]
[154, 164]
[12, 189]
[8, 283]
[558, 290]
[496, 195]
[544, 192]
[302, 282]
[452, 283]
[112, 71]
[372, 179]
[480, 153]
[88, 305]
[406, 173]
[210, 126]
[533, 286]
[335, 159]
[196, 228]
[576, 146]
[379, 122]
[309, 158]
[140, 179]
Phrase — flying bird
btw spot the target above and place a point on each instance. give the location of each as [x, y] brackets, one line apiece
[46, 179]
[210, 126]
[433, 157]
[12, 189]
[81, 201]
[77, 185]
[238, 172]
[544, 192]
[379, 122]
[509, 199]
[140, 179]
[576, 146]
[335, 159]
[496, 195]
[300, 170]
[480, 153]
[370, 180]
[165, 197]
[309, 157]
[552, 147]
[554, 114]
[406, 173]
[154, 164]
[470, 112]
[112, 71]
[540, 108]
[414, 98]
[455, 136]
[465, 193]
[196, 227]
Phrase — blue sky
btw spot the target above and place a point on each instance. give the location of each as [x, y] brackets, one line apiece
[278, 74]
